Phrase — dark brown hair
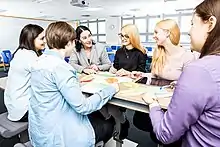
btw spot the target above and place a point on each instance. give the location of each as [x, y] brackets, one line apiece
[58, 34]
[79, 30]
[26, 40]
[205, 10]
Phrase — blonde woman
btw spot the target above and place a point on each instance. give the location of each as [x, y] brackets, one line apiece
[169, 59]
[132, 55]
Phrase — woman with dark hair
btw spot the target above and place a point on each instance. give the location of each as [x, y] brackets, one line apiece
[17, 91]
[88, 57]
[194, 111]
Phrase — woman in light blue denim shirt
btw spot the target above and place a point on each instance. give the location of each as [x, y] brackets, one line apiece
[17, 91]
[59, 114]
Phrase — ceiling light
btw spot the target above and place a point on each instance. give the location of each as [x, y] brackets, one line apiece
[42, 1]
[85, 15]
[135, 9]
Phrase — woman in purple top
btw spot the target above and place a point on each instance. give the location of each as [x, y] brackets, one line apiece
[194, 111]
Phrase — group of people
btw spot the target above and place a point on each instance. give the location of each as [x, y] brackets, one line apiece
[44, 90]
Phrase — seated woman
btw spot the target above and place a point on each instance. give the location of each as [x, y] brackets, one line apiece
[88, 57]
[169, 60]
[131, 56]
[17, 90]
[59, 114]
[194, 111]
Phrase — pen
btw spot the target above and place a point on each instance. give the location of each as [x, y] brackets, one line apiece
[163, 87]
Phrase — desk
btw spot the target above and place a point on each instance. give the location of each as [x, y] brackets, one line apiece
[127, 97]
[121, 99]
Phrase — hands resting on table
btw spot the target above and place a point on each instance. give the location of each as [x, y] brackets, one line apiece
[138, 75]
[93, 69]
[120, 73]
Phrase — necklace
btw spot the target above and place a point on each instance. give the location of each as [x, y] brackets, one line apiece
[126, 54]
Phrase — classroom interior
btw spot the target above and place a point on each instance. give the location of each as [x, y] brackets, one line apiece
[105, 19]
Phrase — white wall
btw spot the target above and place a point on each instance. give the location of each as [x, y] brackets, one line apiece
[113, 27]
[10, 29]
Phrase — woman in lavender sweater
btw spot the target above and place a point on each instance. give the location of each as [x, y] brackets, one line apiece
[194, 111]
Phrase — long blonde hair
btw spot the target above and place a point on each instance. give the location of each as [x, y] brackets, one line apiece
[159, 55]
[132, 31]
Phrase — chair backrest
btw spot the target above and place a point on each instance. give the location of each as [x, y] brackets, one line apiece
[7, 56]
[67, 59]
[108, 49]
[111, 57]
[100, 144]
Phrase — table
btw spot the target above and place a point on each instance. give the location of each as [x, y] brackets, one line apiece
[123, 98]
[127, 97]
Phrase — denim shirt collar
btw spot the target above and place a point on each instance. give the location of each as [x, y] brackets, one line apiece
[53, 53]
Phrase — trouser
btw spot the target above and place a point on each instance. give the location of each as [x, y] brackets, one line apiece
[143, 122]
[103, 128]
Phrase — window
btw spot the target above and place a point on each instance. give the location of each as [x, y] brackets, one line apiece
[102, 38]
[184, 38]
[84, 24]
[172, 17]
[127, 21]
[101, 27]
[95, 38]
[141, 25]
[185, 23]
[152, 23]
[93, 27]
[143, 38]
[150, 38]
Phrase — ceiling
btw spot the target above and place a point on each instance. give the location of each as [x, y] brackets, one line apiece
[63, 10]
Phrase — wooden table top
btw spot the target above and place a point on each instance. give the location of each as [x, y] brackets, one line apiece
[129, 91]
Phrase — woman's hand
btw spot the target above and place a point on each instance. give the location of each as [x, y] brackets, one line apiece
[123, 72]
[136, 74]
[173, 84]
[112, 70]
[150, 99]
[116, 86]
[94, 67]
[89, 71]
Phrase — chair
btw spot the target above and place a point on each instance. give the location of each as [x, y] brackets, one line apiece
[8, 128]
[67, 59]
[100, 144]
[28, 144]
[111, 57]
[7, 56]
[6, 59]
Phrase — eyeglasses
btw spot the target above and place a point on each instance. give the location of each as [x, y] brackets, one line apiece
[123, 36]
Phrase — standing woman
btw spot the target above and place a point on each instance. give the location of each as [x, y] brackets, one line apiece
[194, 111]
[17, 91]
[88, 57]
[132, 55]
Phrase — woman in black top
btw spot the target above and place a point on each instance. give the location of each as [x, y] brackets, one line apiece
[131, 56]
